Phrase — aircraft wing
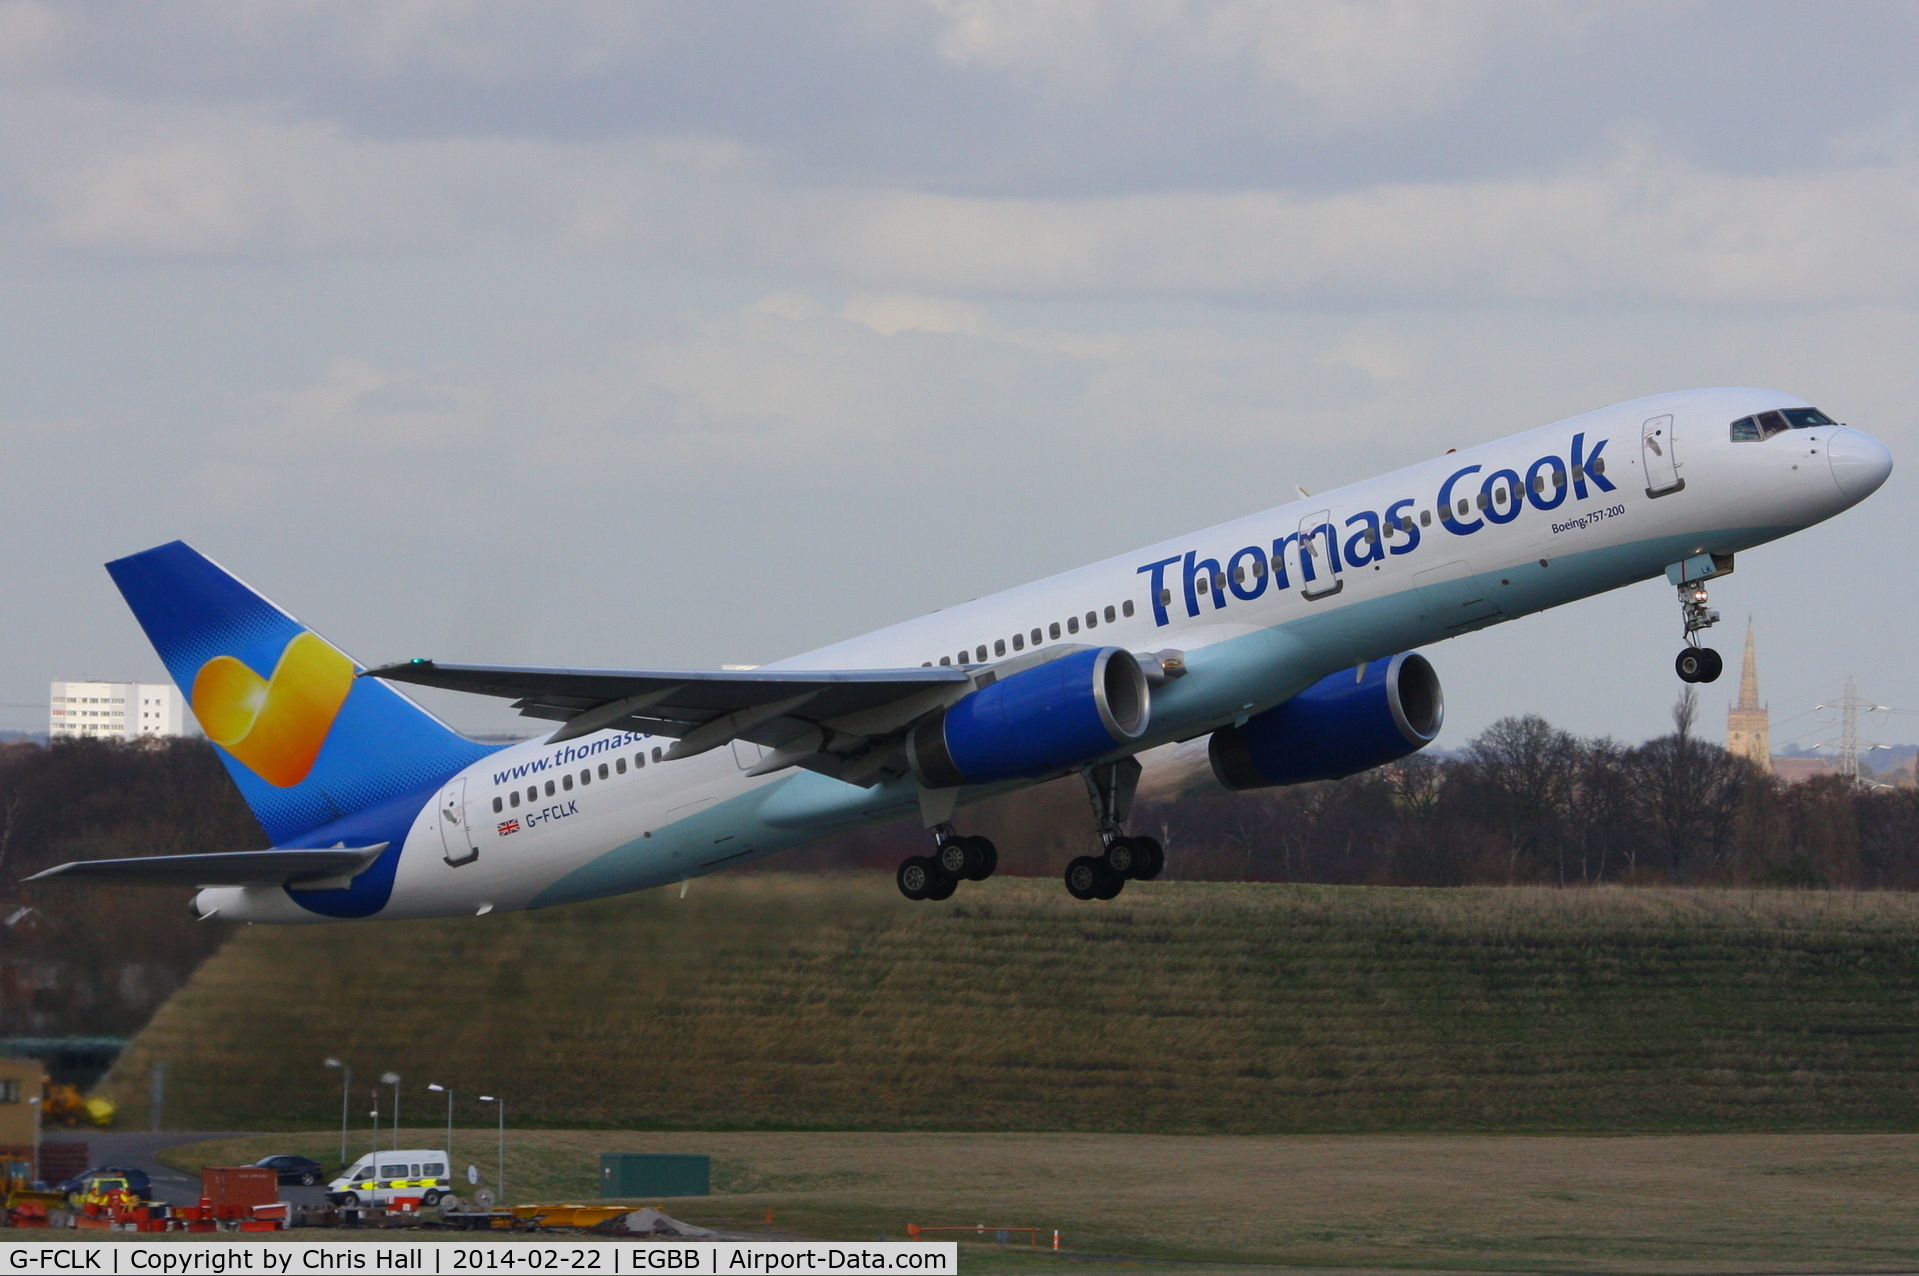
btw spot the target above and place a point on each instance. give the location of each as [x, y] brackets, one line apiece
[230, 868]
[818, 719]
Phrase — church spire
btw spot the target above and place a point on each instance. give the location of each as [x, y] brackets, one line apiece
[1748, 728]
[1749, 675]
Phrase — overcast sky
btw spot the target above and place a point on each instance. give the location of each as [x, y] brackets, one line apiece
[681, 334]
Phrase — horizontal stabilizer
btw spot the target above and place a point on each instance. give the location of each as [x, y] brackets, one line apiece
[232, 868]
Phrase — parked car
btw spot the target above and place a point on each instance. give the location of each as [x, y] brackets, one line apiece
[294, 1169]
[382, 1176]
[136, 1180]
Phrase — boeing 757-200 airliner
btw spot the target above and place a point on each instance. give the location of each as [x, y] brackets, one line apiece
[1286, 636]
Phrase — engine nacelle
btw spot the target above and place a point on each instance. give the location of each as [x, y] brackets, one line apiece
[1051, 717]
[1343, 724]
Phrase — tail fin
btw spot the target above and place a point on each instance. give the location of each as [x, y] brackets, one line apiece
[307, 741]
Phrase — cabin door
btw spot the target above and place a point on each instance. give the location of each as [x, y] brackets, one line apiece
[1660, 457]
[1318, 556]
[456, 835]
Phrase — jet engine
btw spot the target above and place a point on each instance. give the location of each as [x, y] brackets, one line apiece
[1051, 717]
[1345, 723]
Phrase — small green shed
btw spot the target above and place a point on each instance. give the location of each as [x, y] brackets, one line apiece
[655, 1174]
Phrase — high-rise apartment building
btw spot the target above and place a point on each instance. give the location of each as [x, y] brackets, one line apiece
[115, 711]
[1748, 723]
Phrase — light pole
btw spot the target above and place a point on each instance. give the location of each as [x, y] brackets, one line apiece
[375, 1114]
[346, 1084]
[393, 1079]
[447, 1090]
[499, 1181]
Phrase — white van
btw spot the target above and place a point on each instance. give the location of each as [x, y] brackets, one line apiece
[379, 1177]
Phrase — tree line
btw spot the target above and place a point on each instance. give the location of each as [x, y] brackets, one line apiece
[1528, 802]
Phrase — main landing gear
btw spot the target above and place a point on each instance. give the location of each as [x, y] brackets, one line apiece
[954, 860]
[1110, 786]
[1696, 663]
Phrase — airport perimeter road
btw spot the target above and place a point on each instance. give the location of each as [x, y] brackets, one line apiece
[141, 1151]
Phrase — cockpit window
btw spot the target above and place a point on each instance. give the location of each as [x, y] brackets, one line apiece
[1755, 429]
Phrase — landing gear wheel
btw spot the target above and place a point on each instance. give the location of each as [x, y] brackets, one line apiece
[1111, 886]
[1715, 665]
[1084, 877]
[958, 859]
[1691, 664]
[1123, 858]
[1154, 856]
[942, 888]
[988, 858]
[916, 877]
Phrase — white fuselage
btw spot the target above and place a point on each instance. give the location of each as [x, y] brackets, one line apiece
[1580, 526]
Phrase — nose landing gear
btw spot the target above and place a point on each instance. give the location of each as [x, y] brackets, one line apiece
[1696, 663]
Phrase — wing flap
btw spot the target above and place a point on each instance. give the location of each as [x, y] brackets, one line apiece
[227, 868]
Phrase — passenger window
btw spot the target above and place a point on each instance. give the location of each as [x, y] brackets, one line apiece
[1483, 500]
[1019, 642]
[566, 782]
[1559, 478]
[656, 753]
[639, 759]
[602, 770]
[1053, 629]
[1072, 624]
[1425, 518]
[1464, 506]
[980, 654]
[513, 798]
[1372, 537]
[999, 646]
[586, 777]
[1204, 584]
[533, 793]
[1092, 620]
[1126, 608]
[549, 787]
[947, 661]
[1165, 599]
[498, 806]
[1109, 615]
[1597, 465]
[619, 765]
[1037, 640]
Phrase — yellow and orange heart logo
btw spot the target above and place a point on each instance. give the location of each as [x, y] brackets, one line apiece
[274, 726]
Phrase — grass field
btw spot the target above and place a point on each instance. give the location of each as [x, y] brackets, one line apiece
[786, 1002]
[1685, 1203]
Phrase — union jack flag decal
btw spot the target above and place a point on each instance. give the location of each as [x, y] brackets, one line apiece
[509, 826]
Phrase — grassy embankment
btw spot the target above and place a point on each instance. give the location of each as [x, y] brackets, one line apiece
[776, 1002]
[1647, 1203]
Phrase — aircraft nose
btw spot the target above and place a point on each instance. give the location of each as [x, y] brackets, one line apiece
[1860, 463]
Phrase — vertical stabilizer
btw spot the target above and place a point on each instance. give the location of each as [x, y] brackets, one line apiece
[305, 738]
